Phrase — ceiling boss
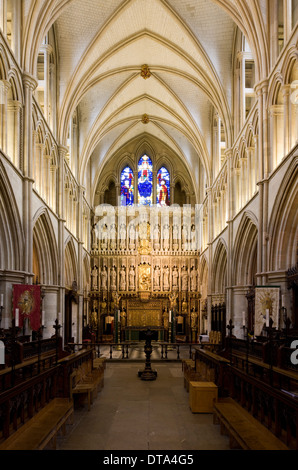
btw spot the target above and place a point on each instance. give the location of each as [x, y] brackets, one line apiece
[145, 72]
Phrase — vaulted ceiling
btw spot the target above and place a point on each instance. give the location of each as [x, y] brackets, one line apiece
[102, 46]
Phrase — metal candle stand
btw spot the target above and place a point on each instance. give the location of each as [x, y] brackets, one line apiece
[57, 335]
[148, 373]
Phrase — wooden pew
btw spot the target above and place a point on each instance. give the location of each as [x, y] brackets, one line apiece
[82, 382]
[243, 429]
[40, 432]
[215, 341]
[190, 373]
[94, 374]
[210, 367]
[12, 376]
[99, 362]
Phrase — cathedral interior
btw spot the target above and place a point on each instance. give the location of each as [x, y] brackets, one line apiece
[148, 181]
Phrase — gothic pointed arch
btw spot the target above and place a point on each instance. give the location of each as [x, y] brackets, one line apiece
[86, 273]
[203, 277]
[283, 225]
[245, 251]
[219, 268]
[70, 264]
[45, 251]
[11, 230]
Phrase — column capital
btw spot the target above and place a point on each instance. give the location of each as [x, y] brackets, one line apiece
[46, 48]
[5, 84]
[229, 153]
[14, 105]
[262, 87]
[62, 150]
[29, 81]
[286, 90]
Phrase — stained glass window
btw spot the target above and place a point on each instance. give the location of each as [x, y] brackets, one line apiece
[127, 187]
[163, 187]
[145, 184]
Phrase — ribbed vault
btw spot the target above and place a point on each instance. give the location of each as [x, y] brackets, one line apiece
[102, 47]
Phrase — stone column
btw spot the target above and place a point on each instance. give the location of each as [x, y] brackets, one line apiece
[249, 192]
[3, 16]
[80, 230]
[241, 58]
[61, 225]
[154, 186]
[287, 19]
[209, 244]
[47, 185]
[230, 213]
[14, 109]
[4, 87]
[34, 157]
[16, 27]
[172, 191]
[135, 177]
[264, 168]
[39, 149]
[29, 84]
[237, 101]
[53, 188]
[256, 169]
[53, 104]
[47, 50]
[237, 189]
[118, 195]
[274, 51]
[286, 91]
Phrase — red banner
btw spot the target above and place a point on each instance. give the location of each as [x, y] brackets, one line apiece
[28, 300]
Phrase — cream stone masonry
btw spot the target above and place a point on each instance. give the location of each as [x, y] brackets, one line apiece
[221, 113]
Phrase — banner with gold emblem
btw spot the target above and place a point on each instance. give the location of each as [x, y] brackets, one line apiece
[27, 299]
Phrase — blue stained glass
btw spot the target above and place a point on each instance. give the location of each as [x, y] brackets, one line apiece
[127, 187]
[163, 187]
[145, 183]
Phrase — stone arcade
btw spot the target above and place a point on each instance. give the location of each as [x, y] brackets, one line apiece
[148, 177]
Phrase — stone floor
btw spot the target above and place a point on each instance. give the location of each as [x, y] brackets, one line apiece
[132, 414]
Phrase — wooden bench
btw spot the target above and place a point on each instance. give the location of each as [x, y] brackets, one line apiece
[190, 373]
[243, 429]
[84, 382]
[42, 429]
[95, 371]
[99, 361]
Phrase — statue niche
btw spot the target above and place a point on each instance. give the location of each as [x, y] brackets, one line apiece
[104, 278]
[157, 278]
[145, 277]
[132, 278]
[122, 280]
[113, 278]
[166, 280]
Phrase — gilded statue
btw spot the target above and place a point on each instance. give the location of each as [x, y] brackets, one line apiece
[173, 300]
[116, 299]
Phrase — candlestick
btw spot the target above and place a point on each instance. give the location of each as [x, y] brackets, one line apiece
[17, 317]
[170, 316]
[267, 317]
